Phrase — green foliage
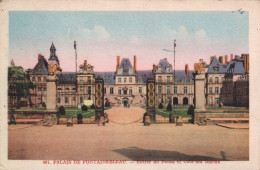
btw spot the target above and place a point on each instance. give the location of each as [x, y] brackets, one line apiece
[84, 108]
[169, 107]
[19, 81]
[44, 105]
[92, 106]
[160, 106]
[191, 110]
[62, 110]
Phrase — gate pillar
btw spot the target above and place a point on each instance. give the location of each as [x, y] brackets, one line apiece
[99, 97]
[150, 97]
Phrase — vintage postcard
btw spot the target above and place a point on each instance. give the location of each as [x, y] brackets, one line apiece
[139, 84]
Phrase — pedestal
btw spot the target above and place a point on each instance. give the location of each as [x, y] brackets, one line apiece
[51, 101]
[199, 91]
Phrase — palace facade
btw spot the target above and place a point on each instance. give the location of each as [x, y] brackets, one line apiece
[127, 84]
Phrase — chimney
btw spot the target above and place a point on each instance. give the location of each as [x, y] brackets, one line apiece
[226, 59]
[154, 69]
[211, 59]
[247, 64]
[231, 57]
[187, 70]
[39, 57]
[118, 62]
[85, 65]
[220, 59]
[135, 63]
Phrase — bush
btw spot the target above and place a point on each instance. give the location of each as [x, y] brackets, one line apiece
[160, 106]
[44, 105]
[191, 110]
[107, 104]
[62, 110]
[84, 108]
[169, 107]
[92, 106]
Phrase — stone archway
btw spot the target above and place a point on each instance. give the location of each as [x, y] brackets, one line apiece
[175, 100]
[185, 101]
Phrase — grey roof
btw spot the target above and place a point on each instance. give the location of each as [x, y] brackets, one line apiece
[144, 75]
[214, 63]
[182, 77]
[125, 64]
[41, 68]
[164, 63]
[109, 77]
[237, 67]
[53, 56]
[67, 78]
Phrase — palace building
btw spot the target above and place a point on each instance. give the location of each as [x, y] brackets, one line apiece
[127, 84]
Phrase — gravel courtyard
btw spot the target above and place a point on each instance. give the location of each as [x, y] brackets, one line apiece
[121, 139]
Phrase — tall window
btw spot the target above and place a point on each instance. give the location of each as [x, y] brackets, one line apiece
[39, 79]
[130, 91]
[44, 90]
[216, 79]
[119, 80]
[89, 79]
[66, 100]
[216, 90]
[89, 89]
[45, 79]
[33, 79]
[210, 79]
[168, 89]
[81, 99]
[159, 89]
[210, 90]
[175, 89]
[81, 79]
[168, 78]
[160, 78]
[140, 90]
[111, 90]
[119, 91]
[89, 97]
[216, 101]
[39, 90]
[58, 99]
[130, 80]
[105, 90]
[81, 90]
[168, 69]
[124, 80]
[185, 90]
[74, 99]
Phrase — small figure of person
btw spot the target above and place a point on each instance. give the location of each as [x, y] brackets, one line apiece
[12, 118]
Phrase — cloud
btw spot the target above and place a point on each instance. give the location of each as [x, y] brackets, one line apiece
[135, 40]
[98, 33]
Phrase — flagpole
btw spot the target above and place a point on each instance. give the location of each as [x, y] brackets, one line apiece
[75, 47]
[174, 45]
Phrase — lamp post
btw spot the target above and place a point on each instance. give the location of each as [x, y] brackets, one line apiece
[174, 45]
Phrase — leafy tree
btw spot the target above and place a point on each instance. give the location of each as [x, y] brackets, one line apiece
[84, 108]
[92, 106]
[19, 81]
[62, 110]
[160, 106]
[169, 107]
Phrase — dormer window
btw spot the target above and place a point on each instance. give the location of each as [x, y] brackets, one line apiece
[130, 71]
[119, 71]
[168, 69]
[81, 69]
[216, 68]
[89, 69]
[159, 69]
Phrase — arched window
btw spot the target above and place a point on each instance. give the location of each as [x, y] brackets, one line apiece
[185, 101]
[175, 100]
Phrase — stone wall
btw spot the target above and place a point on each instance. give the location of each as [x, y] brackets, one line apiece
[45, 115]
[204, 115]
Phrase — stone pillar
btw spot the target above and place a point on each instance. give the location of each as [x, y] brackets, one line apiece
[199, 91]
[51, 99]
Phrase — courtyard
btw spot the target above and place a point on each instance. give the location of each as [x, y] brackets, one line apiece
[125, 138]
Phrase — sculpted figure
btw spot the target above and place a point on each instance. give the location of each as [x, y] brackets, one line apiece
[52, 69]
[198, 67]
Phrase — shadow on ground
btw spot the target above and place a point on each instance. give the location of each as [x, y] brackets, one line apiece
[137, 154]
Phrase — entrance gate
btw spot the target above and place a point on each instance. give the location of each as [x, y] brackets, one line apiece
[99, 97]
[150, 96]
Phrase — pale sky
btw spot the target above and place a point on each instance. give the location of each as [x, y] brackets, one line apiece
[101, 36]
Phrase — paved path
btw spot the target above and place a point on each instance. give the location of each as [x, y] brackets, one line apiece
[120, 115]
[128, 142]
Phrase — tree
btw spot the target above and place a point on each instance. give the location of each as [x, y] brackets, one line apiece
[160, 106]
[169, 107]
[19, 82]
